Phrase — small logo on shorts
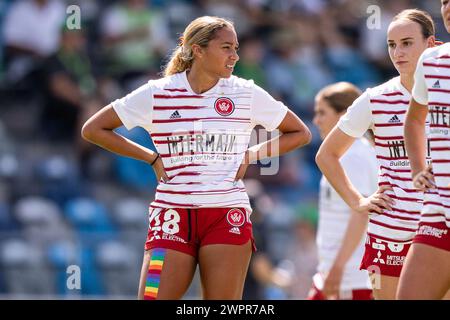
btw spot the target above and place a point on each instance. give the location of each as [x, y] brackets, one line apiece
[235, 217]
[235, 230]
[378, 258]
[224, 106]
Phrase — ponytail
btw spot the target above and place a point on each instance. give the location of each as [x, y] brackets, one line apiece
[179, 62]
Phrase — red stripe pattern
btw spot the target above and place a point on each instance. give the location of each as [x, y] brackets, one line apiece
[202, 139]
[436, 71]
[388, 104]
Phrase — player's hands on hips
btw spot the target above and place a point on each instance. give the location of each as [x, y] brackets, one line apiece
[424, 180]
[160, 172]
[242, 168]
[332, 283]
[376, 203]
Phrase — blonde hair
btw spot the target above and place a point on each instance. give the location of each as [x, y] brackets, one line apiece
[200, 31]
[421, 17]
[339, 95]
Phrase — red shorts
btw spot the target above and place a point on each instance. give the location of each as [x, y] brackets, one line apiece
[384, 257]
[357, 294]
[186, 230]
[433, 234]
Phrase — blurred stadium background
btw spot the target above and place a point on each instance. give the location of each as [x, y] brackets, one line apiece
[64, 202]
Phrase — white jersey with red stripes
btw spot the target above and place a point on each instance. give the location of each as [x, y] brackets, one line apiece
[334, 214]
[202, 138]
[383, 109]
[432, 88]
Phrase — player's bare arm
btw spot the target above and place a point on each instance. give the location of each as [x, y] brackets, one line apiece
[415, 145]
[294, 134]
[327, 158]
[100, 130]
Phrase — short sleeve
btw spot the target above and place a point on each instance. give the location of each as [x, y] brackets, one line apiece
[265, 110]
[420, 90]
[358, 117]
[136, 108]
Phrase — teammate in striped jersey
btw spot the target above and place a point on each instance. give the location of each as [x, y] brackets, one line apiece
[200, 118]
[394, 210]
[426, 274]
[340, 233]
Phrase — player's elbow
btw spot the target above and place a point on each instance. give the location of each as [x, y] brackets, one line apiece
[88, 131]
[303, 137]
[307, 136]
[322, 157]
[319, 158]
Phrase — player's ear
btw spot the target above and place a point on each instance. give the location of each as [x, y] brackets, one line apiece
[197, 51]
[431, 42]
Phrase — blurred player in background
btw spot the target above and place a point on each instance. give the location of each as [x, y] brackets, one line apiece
[340, 232]
[200, 118]
[426, 274]
[394, 209]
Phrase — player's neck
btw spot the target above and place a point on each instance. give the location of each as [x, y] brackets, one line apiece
[200, 81]
[407, 81]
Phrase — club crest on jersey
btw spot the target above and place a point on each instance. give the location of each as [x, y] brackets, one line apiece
[224, 106]
[235, 217]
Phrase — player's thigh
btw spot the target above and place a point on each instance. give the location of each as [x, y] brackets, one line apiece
[168, 276]
[383, 287]
[426, 273]
[223, 269]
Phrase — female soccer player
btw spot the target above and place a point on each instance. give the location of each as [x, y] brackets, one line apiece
[395, 208]
[340, 232]
[200, 118]
[426, 273]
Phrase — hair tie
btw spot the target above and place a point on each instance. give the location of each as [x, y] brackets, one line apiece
[153, 162]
